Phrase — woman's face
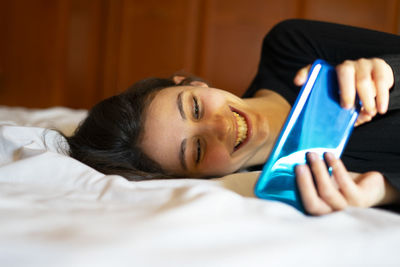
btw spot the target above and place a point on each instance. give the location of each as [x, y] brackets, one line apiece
[199, 131]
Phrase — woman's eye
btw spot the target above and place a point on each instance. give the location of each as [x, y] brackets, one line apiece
[196, 109]
[198, 151]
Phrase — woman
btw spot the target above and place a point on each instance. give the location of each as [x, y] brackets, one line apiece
[180, 127]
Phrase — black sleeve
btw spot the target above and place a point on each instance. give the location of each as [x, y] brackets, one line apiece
[293, 44]
[393, 178]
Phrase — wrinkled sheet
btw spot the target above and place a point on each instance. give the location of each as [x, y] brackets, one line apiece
[56, 211]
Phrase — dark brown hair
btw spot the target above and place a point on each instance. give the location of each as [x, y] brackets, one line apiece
[108, 139]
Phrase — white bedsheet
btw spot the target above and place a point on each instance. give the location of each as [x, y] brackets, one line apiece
[56, 211]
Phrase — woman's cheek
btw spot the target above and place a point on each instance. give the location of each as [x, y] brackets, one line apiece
[218, 162]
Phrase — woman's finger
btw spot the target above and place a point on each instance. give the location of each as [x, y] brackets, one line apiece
[346, 184]
[346, 80]
[326, 188]
[383, 78]
[374, 187]
[301, 75]
[362, 118]
[312, 203]
[365, 87]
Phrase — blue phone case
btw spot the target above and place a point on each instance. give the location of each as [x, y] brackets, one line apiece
[316, 123]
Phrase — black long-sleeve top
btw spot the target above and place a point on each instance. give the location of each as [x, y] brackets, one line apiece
[293, 44]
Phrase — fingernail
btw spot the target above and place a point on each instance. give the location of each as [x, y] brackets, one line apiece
[382, 108]
[299, 81]
[329, 156]
[345, 105]
[310, 156]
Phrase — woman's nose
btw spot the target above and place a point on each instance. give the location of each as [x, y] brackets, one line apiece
[219, 127]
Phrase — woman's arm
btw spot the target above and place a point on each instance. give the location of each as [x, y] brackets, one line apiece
[322, 194]
[293, 44]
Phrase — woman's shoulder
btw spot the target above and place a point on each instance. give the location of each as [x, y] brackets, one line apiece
[306, 27]
[293, 25]
[289, 24]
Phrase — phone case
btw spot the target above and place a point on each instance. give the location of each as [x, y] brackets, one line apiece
[316, 123]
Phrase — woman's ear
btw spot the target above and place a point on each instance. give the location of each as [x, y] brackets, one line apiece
[178, 79]
[198, 84]
[184, 80]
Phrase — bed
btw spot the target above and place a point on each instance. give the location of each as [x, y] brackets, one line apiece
[56, 211]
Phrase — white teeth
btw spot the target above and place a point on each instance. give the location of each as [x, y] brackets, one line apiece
[242, 128]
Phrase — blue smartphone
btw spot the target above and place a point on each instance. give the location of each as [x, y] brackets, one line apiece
[316, 123]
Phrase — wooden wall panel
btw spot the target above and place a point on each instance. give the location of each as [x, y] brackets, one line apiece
[157, 39]
[2, 44]
[51, 52]
[32, 42]
[111, 39]
[232, 32]
[84, 51]
[381, 15]
[74, 53]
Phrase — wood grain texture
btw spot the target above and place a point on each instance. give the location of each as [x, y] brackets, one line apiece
[157, 39]
[32, 44]
[74, 53]
[232, 34]
[381, 15]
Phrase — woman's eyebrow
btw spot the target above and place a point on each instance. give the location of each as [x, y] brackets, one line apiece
[180, 105]
[183, 143]
[182, 154]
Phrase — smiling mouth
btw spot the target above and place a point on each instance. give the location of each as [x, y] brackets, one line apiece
[242, 130]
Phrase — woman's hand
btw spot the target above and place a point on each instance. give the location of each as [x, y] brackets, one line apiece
[370, 79]
[322, 194]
